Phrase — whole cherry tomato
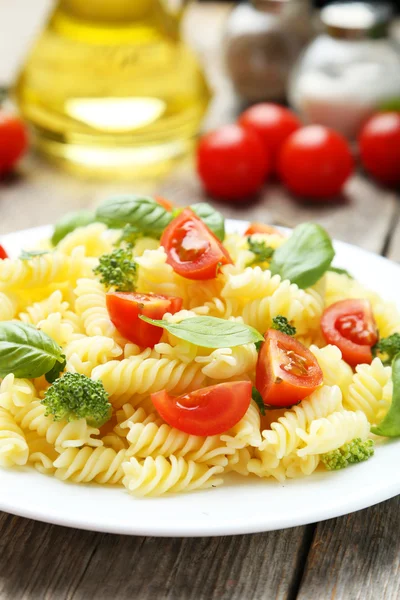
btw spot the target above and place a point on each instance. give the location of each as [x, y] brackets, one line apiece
[273, 123]
[315, 162]
[232, 163]
[13, 141]
[380, 147]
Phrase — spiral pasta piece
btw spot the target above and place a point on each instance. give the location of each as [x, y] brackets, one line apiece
[15, 393]
[82, 465]
[59, 433]
[44, 270]
[39, 311]
[289, 467]
[155, 440]
[366, 391]
[57, 328]
[41, 454]
[85, 353]
[282, 439]
[238, 461]
[8, 307]
[225, 363]
[93, 239]
[332, 432]
[90, 305]
[155, 477]
[335, 370]
[145, 374]
[246, 432]
[157, 276]
[13, 446]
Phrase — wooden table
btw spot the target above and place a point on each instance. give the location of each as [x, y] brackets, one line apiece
[353, 557]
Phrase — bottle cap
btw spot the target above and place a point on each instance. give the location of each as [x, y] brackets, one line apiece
[356, 20]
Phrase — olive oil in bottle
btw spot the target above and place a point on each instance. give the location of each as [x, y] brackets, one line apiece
[111, 88]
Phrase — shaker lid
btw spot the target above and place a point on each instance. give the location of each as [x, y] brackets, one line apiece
[356, 20]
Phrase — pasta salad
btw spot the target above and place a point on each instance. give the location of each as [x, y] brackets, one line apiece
[145, 347]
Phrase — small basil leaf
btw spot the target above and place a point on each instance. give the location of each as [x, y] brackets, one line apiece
[210, 332]
[29, 254]
[70, 222]
[211, 217]
[390, 426]
[144, 213]
[305, 256]
[26, 351]
[340, 272]
[258, 400]
[55, 372]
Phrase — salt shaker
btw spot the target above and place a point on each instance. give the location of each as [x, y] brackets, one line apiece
[262, 41]
[349, 71]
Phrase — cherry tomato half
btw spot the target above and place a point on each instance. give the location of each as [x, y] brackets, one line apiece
[350, 325]
[273, 123]
[13, 141]
[165, 203]
[124, 309]
[287, 372]
[192, 249]
[261, 228]
[232, 162]
[380, 147]
[3, 253]
[315, 162]
[209, 411]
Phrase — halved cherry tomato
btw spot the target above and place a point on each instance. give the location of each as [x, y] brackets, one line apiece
[287, 372]
[350, 325]
[124, 309]
[193, 251]
[3, 253]
[165, 203]
[257, 227]
[209, 411]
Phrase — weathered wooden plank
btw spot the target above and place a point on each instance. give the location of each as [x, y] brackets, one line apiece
[41, 561]
[355, 557]
[264, 566]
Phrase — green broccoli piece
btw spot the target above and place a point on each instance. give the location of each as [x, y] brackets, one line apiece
[118, 270]
[282, 324]
[75, 396]
[262, 252]
[388, 347]
[354, 452]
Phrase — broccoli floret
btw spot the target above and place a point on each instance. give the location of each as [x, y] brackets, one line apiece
[118, 270]
[282, 324]
[75, 396]
[354, 452]
[262, 252]
[388, 347]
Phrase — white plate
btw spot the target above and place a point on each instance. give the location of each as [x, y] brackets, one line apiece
[240, 505]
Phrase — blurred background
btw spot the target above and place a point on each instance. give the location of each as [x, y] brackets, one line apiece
[124, 88]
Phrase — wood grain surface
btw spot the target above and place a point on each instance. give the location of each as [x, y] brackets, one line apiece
[351, 558]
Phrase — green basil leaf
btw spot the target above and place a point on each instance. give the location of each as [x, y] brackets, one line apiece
[211, 217]
[340, 272]
[209, 332]
[29, 254]
[26, 351]
[390, 426]
[144, 213]
[305, 256]
[55, 372]
[70, 222]
[258, 400]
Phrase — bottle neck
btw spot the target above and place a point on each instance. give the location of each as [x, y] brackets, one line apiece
[120, 10]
